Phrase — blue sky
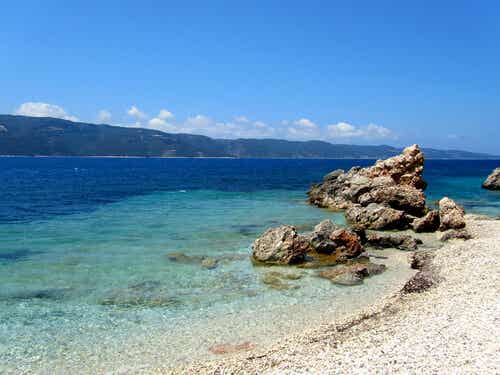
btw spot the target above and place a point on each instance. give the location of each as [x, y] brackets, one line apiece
[378, 72]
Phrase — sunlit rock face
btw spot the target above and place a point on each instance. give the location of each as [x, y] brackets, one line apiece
[395, 183]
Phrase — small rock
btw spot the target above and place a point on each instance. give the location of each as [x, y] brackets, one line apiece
[209, 263]
[493, 180]
[451, 215]
[429, 223]
[461, 234]
[281, 245]
[401, 241]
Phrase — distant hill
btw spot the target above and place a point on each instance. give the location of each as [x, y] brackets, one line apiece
[44, 136]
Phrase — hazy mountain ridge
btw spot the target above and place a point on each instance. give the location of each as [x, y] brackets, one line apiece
[44, 136]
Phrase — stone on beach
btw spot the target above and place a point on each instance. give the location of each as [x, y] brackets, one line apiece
[281, 245]
[459, 234]
[428, 223]
[231, 348]
[398, 241]
[493, 180]
[451, 215]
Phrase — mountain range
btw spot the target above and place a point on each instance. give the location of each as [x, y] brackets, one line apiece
[45, 136]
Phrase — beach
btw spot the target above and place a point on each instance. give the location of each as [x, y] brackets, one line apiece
[451, 328]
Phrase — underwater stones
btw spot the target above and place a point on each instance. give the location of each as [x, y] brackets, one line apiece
[281, 245]
[352, 274]
[398, 241]
[275, 281]
[376, 216]
[209, 263]
[493, 180]
[395, 182]
[184, 258]
[451, 215]
[144, 294]
[428, 223]
[457, 234]
[231, 348]
[53, 294]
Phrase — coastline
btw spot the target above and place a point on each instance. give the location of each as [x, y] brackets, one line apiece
[449, 328]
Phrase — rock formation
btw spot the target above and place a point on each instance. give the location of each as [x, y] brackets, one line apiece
[493, 180]
[281, 246]
[395, 184]
[451, 215]
[428, 223]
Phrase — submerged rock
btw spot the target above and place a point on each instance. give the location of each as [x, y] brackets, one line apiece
[493, 180]
[143, 294]
[461, 234]
[428, 223]
[395, 182]
[451, 215]
[281, 246]
[376, 216]
[398, 241]
[352, 274]
[54, 294]
[209, 263]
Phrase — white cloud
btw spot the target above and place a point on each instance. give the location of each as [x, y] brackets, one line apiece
[165, 114]
[302, 129]
[104, 116]
[198, 121]
[306, 123]
[242, 119]
[135, 112]
[38, 109]
[346, 130]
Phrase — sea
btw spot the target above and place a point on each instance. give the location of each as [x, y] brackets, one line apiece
[101, 258]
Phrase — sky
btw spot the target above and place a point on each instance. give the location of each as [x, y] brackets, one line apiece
[364, 72]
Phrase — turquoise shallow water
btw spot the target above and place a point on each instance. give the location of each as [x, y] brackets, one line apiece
[87, 285]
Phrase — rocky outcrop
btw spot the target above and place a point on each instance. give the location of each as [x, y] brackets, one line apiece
[451, 215]
[493, 180]
[398, 241]
[395, 182]
[376, 216]
[428, 223]
[281, 245]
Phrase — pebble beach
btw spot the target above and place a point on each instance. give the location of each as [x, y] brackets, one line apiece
[451, 328]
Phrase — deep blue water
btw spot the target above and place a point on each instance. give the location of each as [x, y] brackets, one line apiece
[37, 188]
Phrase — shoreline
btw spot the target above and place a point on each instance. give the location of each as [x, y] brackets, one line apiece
[449, 328]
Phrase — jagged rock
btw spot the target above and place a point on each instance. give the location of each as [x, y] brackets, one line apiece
[451, 215]
[404, 198]
[398, 241]
[461, 234]
[395, 182]
[493, 180]
[281, 245]
[330, 239]
[429, 223]
[376, 216]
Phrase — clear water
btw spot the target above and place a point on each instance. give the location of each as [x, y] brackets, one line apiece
[87, 285]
